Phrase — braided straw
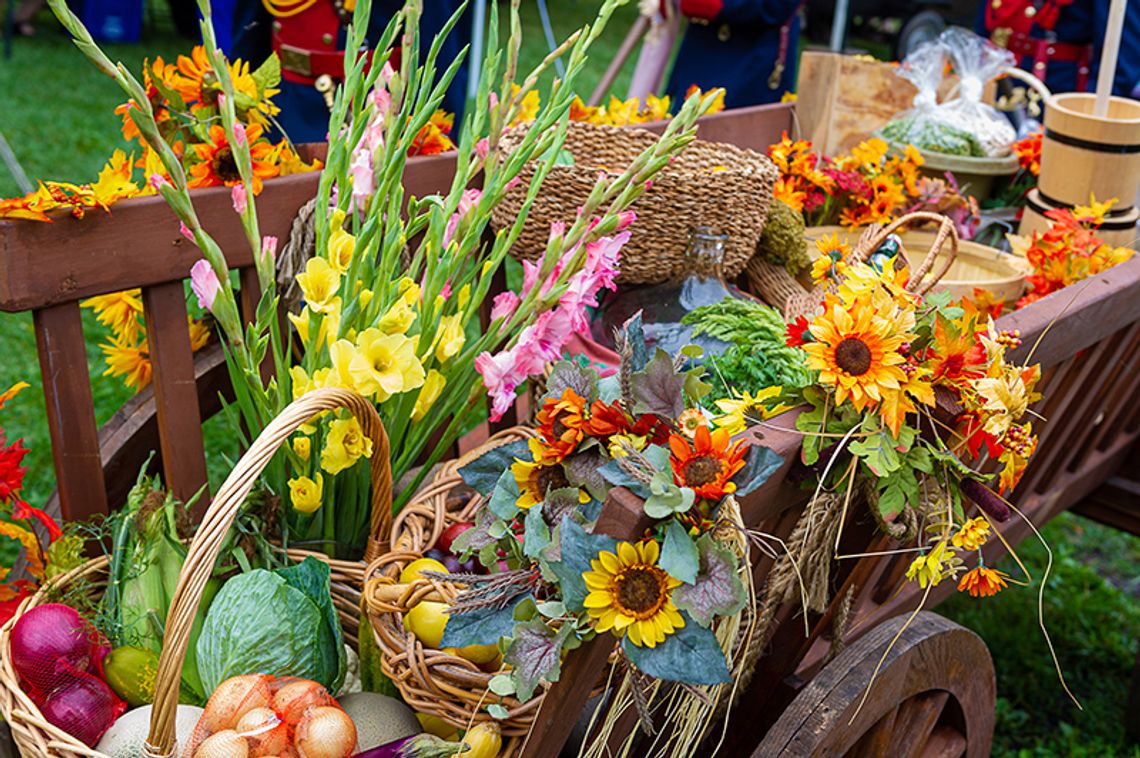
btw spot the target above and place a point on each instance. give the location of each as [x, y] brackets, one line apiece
[434, 681]
[721, 186]
[36, 737]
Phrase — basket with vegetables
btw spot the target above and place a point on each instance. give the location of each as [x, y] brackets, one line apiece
[263, 650]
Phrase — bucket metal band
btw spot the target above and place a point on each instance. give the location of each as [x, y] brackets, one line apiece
[1114, 213]
[1112, 226]
[1084, 144]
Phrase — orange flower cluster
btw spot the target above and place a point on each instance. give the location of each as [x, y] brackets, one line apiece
[435, 136]
[1069, 250]
[863, 187]
[184, 99]
[1029, 153]
[615, 113]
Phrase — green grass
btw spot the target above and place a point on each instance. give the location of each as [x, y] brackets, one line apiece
[57, 115]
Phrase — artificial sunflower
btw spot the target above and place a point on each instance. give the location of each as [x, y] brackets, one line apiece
[536, 478]
[562, 424]
[631, 595]
[130, 361]
[857, 352]
[217, 166]
[983, 582]
[832, 261]
[709, 464]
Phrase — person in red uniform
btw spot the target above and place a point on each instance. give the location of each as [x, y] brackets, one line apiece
[1060, 41]
[749, 47]
[309, 36]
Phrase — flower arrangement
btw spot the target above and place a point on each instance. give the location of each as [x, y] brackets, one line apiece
[1069, 250]
[392, 299]
[912, 396]
[667, 595]
[866, 186]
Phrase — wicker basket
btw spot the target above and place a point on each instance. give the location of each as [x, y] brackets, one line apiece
[36, 737]
[724, 187]
[780, 290]
[432, 681]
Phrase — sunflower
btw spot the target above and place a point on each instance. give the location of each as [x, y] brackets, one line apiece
[562, 424]
[535, 478]
[630, 594]
[132, 362]
[217, 166]
[120, 311]
[857, 353]
[709, 464]
[983, 582]
[832, 260]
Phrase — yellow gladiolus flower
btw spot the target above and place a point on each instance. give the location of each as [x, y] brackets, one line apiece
[345, 445]
[305, 493]
[303, 447]
[409, 290]
[429, 393]
[398, 318]
[319, 284]
[385, 364]
[342, 245]
[450, 338]
[463, 297]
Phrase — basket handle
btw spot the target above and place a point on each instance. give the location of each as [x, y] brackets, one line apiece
[203, 552]
[946, 231]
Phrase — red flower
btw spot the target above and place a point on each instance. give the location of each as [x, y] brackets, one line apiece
[24, 512]
[11, 472]
[798, 334]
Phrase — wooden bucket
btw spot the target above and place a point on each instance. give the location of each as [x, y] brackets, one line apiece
[1119, 227]
[976, 265]
[1082, 154]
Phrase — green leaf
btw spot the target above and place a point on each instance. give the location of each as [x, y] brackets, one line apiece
[691, 655]
[536, 654]
[717, 590]
[552, 608]
[481, 627]
[658, 457]
[502, 685]
[483, 473]
[892, 500]
[666, 498]
[578, 548]
[679, 556]
[761, 463]
[537, 533]
[878, 452]
[268, 74]
[583, 470]
[498, 711]
[635, 337]
[695, 386]
[571, 375]
[504, 499]
[658, 389]
[617, 476]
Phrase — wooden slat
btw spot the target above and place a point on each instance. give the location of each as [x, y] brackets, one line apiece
[70, 411]
[175, 392]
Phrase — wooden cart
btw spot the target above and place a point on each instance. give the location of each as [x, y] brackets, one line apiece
[935, 692]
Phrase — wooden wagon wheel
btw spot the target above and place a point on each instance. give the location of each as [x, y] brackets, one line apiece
[933, 696]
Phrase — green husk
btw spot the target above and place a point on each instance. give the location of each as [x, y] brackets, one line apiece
[782, 241]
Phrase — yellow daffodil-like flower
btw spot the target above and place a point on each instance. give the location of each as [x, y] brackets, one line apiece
[450, 338]
[972, 535]
[341, 247]
[737, 412]
[345, 444]
[305, 493]
[618, 442]
[631, 595]
[303, 447]
[930, 568]
[983, 582]
[429, 393]
[384, 364]
[319, 284]
[398, 318]
[303, 383]
[857, 353]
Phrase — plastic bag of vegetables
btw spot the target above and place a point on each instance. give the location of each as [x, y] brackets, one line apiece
[257, 715]
[279, 622]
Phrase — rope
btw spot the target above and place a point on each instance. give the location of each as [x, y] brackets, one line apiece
[302, 246]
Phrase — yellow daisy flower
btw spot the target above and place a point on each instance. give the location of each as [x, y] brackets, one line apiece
[631, 595]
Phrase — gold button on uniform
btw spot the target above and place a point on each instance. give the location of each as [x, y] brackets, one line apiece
[723, 33]
[1030, 12]
[327, 38]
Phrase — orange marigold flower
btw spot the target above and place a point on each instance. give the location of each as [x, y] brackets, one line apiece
[708, 465]
[561, 424]
[217, 165]
[983, 582]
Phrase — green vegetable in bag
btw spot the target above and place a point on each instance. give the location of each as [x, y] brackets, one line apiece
[280, 623]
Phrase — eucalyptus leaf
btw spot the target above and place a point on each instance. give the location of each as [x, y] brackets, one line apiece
[691, 655]
[484, 473]
[502, 685]
[578, 549]
[679, 556]
[717, 590]
[761, 463]
[498, 711]
[483, 626]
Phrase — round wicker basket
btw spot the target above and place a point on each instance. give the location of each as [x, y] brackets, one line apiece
[433, 681]
[34, 736]
[724, 187]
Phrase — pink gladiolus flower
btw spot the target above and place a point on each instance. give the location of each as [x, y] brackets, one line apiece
[483, 148]
[504, 305]
[204, 282]
[239, 134]
[268, 247]
[501, 379]
[185, 231]
[237, 195]
[467, 201]
[360, 168]
[625, 219]
[156, 181]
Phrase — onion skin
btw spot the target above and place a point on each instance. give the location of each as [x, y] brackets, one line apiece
[51, 645]
[224, 744]
[296, 697]
[85, 708]
[325, 732]
[233, 699]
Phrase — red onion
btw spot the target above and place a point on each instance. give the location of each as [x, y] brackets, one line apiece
[85, 708]
[51, 645]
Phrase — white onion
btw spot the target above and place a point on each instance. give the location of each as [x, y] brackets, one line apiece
[224, 744]
[325, 732]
